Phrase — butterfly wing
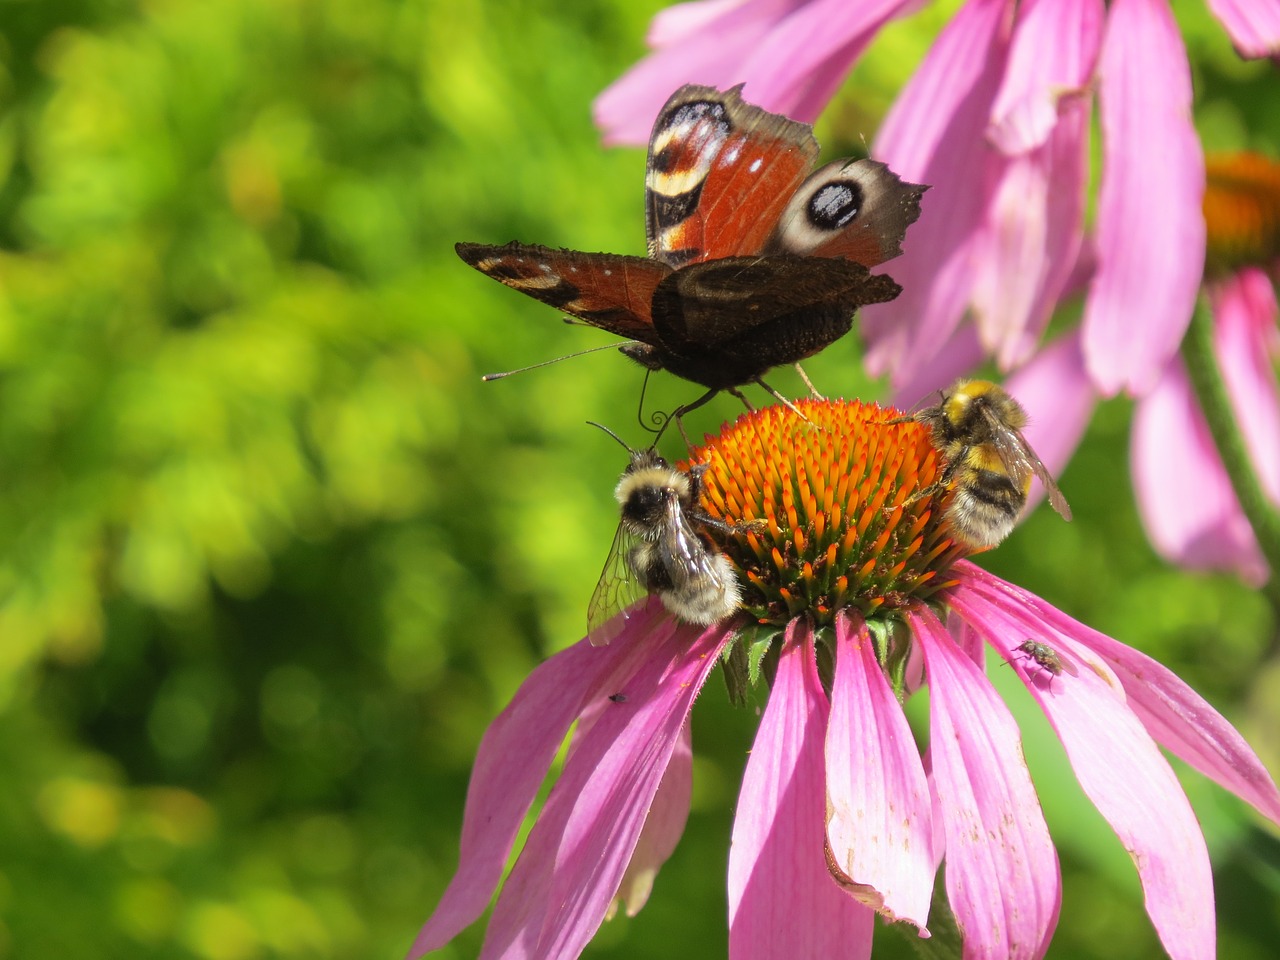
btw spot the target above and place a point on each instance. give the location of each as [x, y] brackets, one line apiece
[1021, 461]
[855, 209]
[605, 290]
[719, 175]
[720, 301]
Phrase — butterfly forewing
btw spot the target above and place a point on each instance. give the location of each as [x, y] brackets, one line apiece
[605, 290]
[719, 175]
[855, 209]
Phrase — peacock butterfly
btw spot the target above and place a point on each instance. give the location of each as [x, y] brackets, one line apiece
[754, 262]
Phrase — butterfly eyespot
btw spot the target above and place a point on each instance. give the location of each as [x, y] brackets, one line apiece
[835, 205]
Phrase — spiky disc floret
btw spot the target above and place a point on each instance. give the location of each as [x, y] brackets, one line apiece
[1241, 211]
[850, 503]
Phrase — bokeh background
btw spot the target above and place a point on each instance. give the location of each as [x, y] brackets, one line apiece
[271, 556]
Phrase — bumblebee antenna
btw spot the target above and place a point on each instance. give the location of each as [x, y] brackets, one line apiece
[622, 442]
[546, 363]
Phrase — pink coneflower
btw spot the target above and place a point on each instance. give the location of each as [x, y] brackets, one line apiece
[1189, 507]
[997, 120]
[839, 817]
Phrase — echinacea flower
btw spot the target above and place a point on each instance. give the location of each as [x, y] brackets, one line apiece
[854, 595]
[1189, 508]
[997, 119]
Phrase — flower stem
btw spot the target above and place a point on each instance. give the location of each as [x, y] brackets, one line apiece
[1211, 391]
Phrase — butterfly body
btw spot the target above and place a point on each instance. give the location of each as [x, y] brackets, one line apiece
[753, 262]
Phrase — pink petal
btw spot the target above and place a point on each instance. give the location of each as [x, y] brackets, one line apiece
[1120, 769]
[1254, 25]
[961, 355]
[879, 823]
[1150, 226]
[1031, 239]
[934, 135]
[1002, 871]
[625, 111]
[1179, 718]
[1185, 499]
[1059, 400]
[686, 21]
[1040, 119]
[1053, 55]
[512, 762]
[573, 862]
[1245, 338]
[663, 828]
[809, 52]
[791, 57]
[782, 899]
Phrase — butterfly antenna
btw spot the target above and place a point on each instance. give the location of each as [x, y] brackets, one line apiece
[657, 418]
[678, 414]
[546, 363]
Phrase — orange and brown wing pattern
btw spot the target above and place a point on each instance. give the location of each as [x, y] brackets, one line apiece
[719, 175]
[606, 290]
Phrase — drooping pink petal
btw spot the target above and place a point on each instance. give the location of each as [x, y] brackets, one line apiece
[1185, 499]
[1028, 245]
[809, 52]
[791, 56]
[1245, 339]
[1034, 226]
[512, 762]
[1059, 400]
[1121, 770]
[686, 21]
[570, 869]
[1002, 870]
[935, 134]
[663, 828]
[1151, 232]
[879, 824]
[711, 55]
[1174, 714]
[1052, 57]
[1254, 25]
[961, 355]
[782, 899]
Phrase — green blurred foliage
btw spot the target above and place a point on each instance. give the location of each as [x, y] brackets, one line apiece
[271, 557]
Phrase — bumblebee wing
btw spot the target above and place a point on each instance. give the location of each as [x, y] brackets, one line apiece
[1021, 462]
[617, 591]
[683, 554]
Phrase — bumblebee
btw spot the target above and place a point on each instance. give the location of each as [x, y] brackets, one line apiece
[661, 547]
[977, 428]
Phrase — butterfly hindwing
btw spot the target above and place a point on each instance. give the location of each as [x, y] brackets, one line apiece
[719, 175]
[725, 322]
[605, 290]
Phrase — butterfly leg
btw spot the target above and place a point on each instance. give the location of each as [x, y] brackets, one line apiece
[782, 400]
[678, 416]
[813, 391]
